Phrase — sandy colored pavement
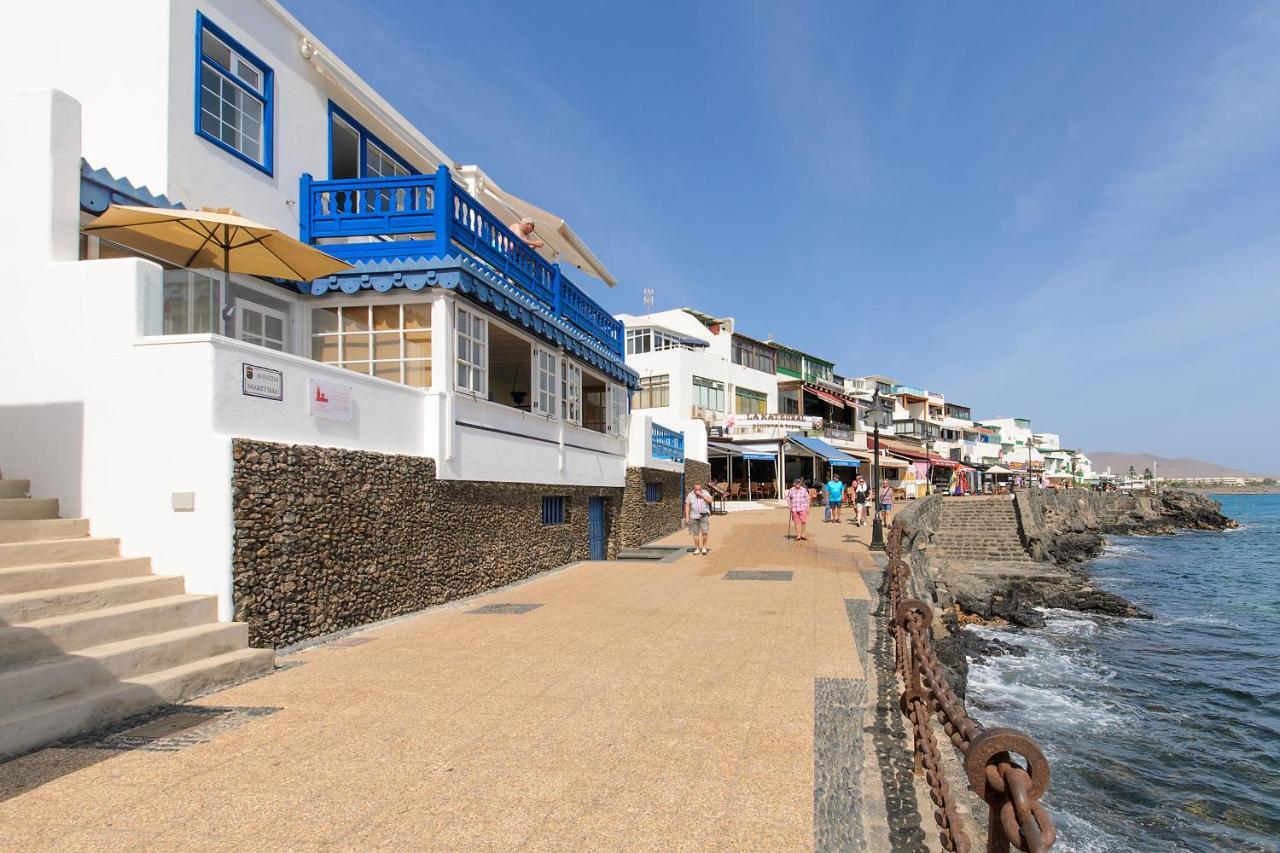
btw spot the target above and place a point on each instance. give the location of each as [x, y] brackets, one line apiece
[641, 706]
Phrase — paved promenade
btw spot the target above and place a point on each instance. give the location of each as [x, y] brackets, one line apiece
[624, 705]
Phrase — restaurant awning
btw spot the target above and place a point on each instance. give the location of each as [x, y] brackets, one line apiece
[824, 395]
[998, 469]
[822, 450]
[716, 448]
[760, 457]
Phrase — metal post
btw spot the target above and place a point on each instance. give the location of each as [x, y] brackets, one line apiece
[877, 526]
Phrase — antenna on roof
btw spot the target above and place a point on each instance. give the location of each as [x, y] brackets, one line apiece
[648, 300]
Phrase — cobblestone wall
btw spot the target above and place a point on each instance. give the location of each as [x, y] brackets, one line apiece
[696, 472]
[642, 521]
[327, 539]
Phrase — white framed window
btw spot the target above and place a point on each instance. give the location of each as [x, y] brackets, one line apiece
[570, 392]
[546, 382]
[234, 110]
[472, 355]
[708, 394]
[189, 304]
[258, 324]
[654, 393]
[380, 164]
[617, 423]
[389, 341]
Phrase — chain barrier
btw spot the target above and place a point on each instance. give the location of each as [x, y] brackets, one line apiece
[1011, 790]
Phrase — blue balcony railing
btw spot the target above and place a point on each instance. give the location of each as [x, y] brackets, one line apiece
[431, 216]
[667, 444]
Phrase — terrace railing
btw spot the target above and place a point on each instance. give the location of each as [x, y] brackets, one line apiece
[431, 216]
[667, 444]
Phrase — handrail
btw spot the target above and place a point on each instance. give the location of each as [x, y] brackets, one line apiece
[431, 215]
[1011, 790]
[667, 443]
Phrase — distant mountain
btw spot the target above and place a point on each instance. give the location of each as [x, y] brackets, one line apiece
[1172, 469]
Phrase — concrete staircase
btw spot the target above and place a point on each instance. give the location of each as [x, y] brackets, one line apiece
[979, 529]
[88, 637]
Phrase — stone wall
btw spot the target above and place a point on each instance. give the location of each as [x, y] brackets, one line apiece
[327, 539]
[641, 521]
[918, 520]
[696, 472]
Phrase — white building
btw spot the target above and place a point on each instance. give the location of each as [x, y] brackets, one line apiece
[449, 340]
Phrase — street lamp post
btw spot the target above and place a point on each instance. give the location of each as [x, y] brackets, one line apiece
[877, 528]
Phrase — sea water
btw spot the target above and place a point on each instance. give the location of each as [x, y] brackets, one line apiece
[1161, 735]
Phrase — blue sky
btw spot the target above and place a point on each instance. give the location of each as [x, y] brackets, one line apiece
[1067, 212]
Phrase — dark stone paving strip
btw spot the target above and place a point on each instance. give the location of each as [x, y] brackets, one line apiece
[509, 609]
[888, 733]
[859, 611]
[167, 729]
[839, 705]
[756, 575]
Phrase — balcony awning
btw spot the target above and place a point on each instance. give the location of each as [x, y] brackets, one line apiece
[562, 242]
[822, 450]
[824, 395]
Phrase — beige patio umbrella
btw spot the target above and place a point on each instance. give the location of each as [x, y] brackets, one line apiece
[213, 239]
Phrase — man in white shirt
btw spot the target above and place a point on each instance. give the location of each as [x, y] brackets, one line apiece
[697, 514]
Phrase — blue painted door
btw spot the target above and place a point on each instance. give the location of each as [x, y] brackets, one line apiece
[595, 526]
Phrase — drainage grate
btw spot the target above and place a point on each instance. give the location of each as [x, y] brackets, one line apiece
[169, 729]
[756, 575]
[510, 609]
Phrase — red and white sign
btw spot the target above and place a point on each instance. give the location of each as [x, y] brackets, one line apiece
[329, 401]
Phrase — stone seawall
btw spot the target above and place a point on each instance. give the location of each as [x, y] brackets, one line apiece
[1068, 526]
[327, 538]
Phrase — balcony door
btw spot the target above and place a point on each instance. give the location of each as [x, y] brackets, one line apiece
[258, 324]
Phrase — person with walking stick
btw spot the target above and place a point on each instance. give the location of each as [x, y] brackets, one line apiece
[798, 505]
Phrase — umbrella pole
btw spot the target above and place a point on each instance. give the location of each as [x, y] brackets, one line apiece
[226, 280]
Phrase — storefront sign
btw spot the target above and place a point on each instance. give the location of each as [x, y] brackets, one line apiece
[329, 401]
[261, 382]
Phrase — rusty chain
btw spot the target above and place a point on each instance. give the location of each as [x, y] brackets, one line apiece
[1011, 790]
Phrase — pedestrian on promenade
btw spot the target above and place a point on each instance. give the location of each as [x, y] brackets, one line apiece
[697, 514]
[860, 490]
[798, 503]
[885, 504]
[835, 496]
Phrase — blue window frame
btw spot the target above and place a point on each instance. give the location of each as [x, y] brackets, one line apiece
[234, 106]
[652, 493]
[553, 511]
[354, 152]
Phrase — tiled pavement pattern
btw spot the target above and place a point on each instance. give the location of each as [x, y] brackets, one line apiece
[641, 706]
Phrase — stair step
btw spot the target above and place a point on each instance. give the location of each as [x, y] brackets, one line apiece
[43, 528]
[114, 661]
[15, 488]
[43, 603]
[50, 576]
[15, 508]
[47, 638]
[42, 551]
[36, 725]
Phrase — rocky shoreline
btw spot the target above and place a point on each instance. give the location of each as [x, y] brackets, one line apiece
[1061, 531]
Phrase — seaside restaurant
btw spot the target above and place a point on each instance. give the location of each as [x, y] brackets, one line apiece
[765, 469]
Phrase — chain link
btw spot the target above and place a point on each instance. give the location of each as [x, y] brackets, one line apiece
[1011, 791]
